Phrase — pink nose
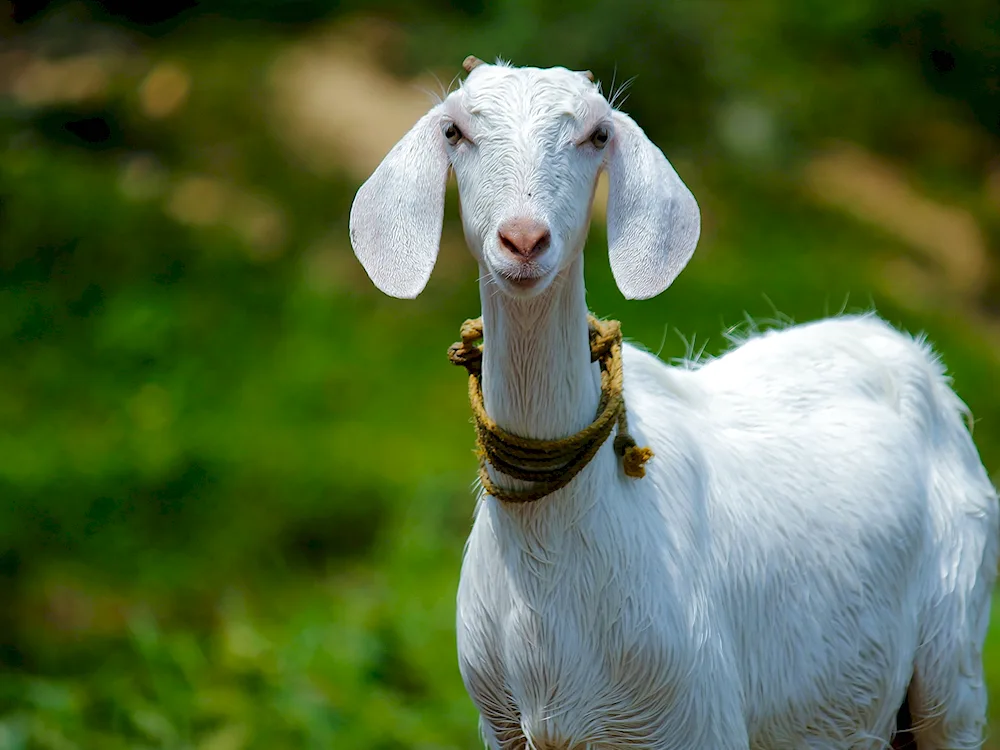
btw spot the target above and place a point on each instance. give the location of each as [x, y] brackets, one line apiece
[524, 237]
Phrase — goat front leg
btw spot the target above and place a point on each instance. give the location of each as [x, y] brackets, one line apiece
[504, 732]
[506, 737]
[731, 735]
[710, 713]
[499, 721]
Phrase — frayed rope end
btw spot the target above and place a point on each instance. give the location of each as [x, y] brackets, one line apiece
[634, 461]
[633, 457]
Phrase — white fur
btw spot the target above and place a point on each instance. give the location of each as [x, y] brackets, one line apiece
[815, 535]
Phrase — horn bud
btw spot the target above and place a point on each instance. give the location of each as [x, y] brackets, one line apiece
[471, 63]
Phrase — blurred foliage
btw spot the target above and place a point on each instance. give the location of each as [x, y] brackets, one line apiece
[235, 479]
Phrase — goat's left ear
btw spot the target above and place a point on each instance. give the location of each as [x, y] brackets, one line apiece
[397, 214]
[653, 219]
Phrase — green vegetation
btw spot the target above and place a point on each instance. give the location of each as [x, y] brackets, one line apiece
[234, 479]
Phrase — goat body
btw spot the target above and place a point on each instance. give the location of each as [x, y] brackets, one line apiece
[806, 545]
[815, 541]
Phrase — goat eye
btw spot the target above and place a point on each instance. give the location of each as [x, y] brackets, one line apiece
[452, 133]
[600, 137]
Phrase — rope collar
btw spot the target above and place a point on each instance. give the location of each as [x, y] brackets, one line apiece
[550, 464]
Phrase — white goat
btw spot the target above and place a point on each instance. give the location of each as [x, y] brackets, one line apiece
[815, 541]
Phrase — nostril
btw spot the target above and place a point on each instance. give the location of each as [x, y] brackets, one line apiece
[524, 237]
[507, 244]
[543, 242]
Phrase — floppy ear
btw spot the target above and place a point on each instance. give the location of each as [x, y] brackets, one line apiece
[397, 214]
[653, 219]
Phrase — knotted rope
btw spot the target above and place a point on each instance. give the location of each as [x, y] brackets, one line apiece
[550, 464]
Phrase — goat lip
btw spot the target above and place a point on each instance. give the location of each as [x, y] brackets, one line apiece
[522, 281]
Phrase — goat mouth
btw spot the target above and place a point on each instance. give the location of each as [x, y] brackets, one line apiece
[525, 279]
[521, 277]
[525, 282]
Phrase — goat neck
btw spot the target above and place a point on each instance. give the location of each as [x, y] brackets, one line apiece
[538, 378]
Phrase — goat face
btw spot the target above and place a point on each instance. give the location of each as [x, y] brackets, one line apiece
[527, 146]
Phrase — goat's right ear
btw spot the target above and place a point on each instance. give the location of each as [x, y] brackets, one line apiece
[397, 214]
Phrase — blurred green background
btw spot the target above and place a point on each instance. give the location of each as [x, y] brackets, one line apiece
[235, 480]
